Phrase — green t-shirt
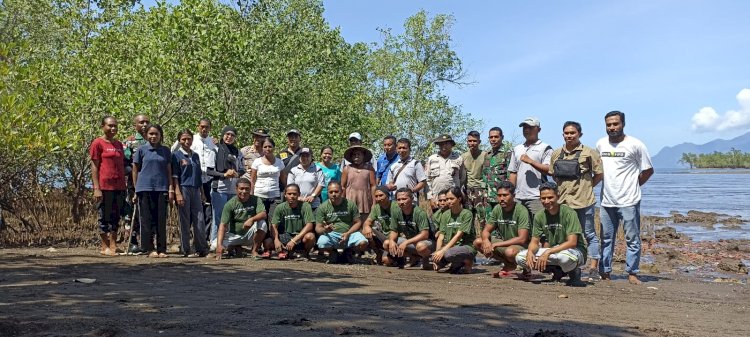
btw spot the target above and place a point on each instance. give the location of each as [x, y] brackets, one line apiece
[557, 227]
[292, 220]
[450, 224]
[436, 218]
[235, 213]
[342, 216]
[383, 216]
[507, 224]
[409, 225]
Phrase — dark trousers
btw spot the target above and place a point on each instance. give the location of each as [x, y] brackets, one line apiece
[207, 210]
[109, 210]
[153, 216]
[129, 209]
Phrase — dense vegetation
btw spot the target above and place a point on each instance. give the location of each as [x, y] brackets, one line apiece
[263, 63]
[730, 159]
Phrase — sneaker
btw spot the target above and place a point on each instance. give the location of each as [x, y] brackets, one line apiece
[574, 277]
[401, 262]
[557, 273]
[135, 250]
[591, 275]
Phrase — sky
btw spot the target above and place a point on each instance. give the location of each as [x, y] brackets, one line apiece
[679, 70]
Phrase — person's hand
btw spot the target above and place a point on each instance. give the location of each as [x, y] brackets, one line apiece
[526, 159]
[367, 232]
[437, 256]
[180, 200]
[97, 195]
[230, 173]
[531, 259]
[542, 261]
[219, 252]
[170, 196]
[401, 249]
[391, 187]
[393, 249]
[247, 224]
[135, 198]
[344, 239]
[328, 228]
[486, 247]
[290, 245]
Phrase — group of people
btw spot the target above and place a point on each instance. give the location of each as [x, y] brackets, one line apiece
[530, 208]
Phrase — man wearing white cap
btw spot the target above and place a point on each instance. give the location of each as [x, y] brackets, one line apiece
[355, 138]
[529, 164]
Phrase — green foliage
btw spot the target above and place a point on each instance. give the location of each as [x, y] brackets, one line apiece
[733, 158]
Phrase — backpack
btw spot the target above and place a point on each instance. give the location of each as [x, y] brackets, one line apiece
[567, 168]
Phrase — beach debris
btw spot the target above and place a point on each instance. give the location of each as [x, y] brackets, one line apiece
[652, 288]
[562, 296]
[340, 331]
[52, 249]
[85, 280]
[732, 265]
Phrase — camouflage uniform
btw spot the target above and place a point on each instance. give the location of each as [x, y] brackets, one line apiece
[495, 171]
[131, 145]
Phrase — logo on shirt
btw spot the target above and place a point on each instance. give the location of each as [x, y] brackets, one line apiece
[613, 154]
[244, 210]
[453, 224]
[554, 226]
[292, 217]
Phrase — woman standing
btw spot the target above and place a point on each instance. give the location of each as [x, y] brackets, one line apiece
[152, 172]
[331, 171]
[308, 177]
[227, 169]
[266, 175]
[108, 179]
[455, 236]
[358, 179]
[186, 172]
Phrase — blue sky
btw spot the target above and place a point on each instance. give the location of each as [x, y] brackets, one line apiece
[676, 68]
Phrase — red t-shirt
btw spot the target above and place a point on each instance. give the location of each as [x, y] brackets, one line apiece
[112, 167]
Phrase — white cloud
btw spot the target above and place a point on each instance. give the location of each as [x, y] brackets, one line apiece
[707, 119]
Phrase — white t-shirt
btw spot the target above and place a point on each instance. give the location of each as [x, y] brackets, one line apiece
[622, 163]
[267, 182]
[528, 178]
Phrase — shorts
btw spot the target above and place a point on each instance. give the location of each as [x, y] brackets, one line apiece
[233, 240]
[499, 252]
[285, 238]
[331, 240]
[412, 248]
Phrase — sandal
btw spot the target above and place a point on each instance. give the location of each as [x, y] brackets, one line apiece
[502, 274]
[163, 255]
[266, 255]
[153, 254]
[282, 255]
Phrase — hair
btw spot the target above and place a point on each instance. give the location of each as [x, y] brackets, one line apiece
[243, 180]
[475, 134]
[573, 124]
[204, 119]
[498, 129]
[292, 185]
[157, 127]
[391, 137]
[326, 147]
[548, 185]
[616, 113]
[443, 192]
[404, 141]
[407, 191]
[334, 182]
[455, 190]
[105, 118]
[507, 185]
[270, 140]
[182, 132]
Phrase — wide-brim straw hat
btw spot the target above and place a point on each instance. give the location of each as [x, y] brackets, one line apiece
[348, 153]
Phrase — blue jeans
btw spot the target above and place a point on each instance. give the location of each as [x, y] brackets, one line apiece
[218, 200]
[631, 219]
[586, 218]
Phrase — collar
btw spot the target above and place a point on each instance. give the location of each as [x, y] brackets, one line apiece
[578, 148]
[538, 141]
[186, 152]
[405, 161]
[138, 136]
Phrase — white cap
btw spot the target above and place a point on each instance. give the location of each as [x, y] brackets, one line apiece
[355, 135]
[530, 121]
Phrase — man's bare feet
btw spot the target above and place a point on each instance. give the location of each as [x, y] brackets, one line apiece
[633, 279]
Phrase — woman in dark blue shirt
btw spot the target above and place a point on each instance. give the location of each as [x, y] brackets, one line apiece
[186, 172]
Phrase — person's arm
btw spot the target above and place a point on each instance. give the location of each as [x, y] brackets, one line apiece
[513, 178]
[431, 195]
[439, 241]
[373, 182]
[544, 169]
[393, 237]
[220, 240]
[171, 181]
[367, 228]
[423, 235]
[253, 179]
[95, 163]
[418, 187]
[175, 181]
[520, 240]
[513, 168]
[645, 175]
[344, 180]
[136, 168]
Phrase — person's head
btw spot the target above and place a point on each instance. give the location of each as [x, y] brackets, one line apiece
[140, 122]
[445, 145]
[381, 195]
[204, 127]
[291, 194]
[293, 138]
[358, 156]
[531, 128]
[548, 196]
[403, 147]
[185, 138]
[572, 133]
[496, 137]
[229, 135]
[615, 122]
[405, 199]
[305, 157]
[243, 189]
[442, 203]
[389, 144]
[268, 146]
[334, 192]
[109, 126]
[154, 134]
[506, 194]
[326, 154]
[355, 139]
[473, 139]
[455, 199]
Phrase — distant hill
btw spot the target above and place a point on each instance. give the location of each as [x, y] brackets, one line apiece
[669, 156]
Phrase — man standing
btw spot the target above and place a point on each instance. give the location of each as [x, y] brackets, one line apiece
[576, 169]
[252, 152]
[386, 160]
[132, 144]
[627, 166]
[529, 165]
[476, 196]
[495, 167]
[290, 155]
[407, 172]
[444, 169]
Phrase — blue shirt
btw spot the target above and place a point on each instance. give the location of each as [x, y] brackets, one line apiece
[187, 167]
[153, 162]
[381, 175]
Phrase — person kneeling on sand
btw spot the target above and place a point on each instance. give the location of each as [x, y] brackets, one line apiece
[292, 225]
[559, 224]
[455, 236]
[410, 233]
[338, 224]
[244, 215]
[507, 230]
